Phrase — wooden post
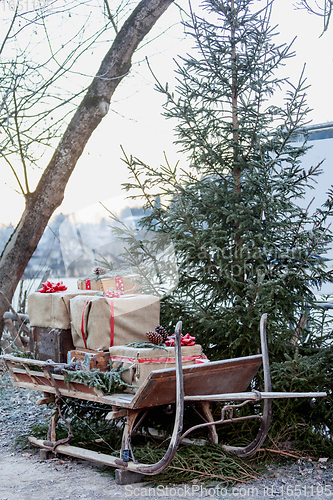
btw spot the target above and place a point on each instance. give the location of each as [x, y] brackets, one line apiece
[205, 408]
[51, 433]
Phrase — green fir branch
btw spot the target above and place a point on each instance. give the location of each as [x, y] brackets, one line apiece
[109, 382]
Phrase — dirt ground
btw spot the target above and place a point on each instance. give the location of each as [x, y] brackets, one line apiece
[24, 476]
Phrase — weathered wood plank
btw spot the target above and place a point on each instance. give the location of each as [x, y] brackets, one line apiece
[201, 379]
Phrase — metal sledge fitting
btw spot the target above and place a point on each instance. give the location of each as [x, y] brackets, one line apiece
[258, 394]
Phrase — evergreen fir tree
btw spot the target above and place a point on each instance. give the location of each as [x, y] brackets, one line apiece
[244, 244]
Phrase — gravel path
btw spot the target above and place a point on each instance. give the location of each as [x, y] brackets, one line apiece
[24, 476]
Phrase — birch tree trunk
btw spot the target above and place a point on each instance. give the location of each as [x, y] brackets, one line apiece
[49, 192]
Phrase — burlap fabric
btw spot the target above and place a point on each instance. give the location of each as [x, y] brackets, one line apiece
[51, 310]
[133, 316]
[143, 361]
[130, 284]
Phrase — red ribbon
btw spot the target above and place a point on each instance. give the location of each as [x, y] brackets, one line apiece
[119, 285]
[154, 360]
[112, 324]
[88, 285]
[82, 324]
[50, 287]
[111, 294]
[184, 340]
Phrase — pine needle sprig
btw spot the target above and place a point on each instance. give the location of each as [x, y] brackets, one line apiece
[108, 382]
[206, 463]
[20, 352]
[146, 345]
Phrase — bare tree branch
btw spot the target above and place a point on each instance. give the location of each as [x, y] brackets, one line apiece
[49, 192]
[22, 154]
[110, 16]
[9, 29]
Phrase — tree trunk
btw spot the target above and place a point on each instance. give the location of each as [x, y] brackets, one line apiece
[235, 130]
[49, 193]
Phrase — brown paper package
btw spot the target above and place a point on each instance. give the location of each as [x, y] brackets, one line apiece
[134, 315]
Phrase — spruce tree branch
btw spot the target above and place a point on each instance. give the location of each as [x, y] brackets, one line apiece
[136, 176]
[141, 186]
[304, 261]
[197, 37]
[264, 200]
[205, 145]
[259, 282]
[142, 274]
[198, 242]
[294, 122]
[305, 176]
[259, 95]
[301, 222]
[324, 12]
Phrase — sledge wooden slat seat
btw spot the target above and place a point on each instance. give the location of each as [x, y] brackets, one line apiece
[217, 377]
[75, 390]
[221, 381]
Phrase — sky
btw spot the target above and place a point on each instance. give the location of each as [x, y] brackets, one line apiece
[135, 122]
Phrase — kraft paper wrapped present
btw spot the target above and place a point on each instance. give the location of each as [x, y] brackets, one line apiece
[101, 322]
[51, 310]
[142, 361]
[123, 284]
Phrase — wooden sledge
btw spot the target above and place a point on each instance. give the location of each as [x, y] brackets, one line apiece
[223, 381]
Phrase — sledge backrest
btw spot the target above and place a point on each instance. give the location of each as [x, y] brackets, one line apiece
[216, 377]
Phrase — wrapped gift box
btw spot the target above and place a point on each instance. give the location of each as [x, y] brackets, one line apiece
[141, 361]
[100, 322]
[90, 359]
[123, 284]
[51, 310]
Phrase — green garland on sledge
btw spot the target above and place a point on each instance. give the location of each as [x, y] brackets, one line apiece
[146, 345]
[108, 382]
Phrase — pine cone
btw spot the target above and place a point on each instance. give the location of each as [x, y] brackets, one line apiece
[99, 271]
[162, 331]
[154, 338]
